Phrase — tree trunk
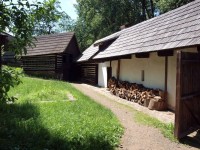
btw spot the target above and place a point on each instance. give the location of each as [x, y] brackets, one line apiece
[1, 43]
[144, 9]
[152, 8]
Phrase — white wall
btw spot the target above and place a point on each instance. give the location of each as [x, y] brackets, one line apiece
[154, 70]
[102, 74]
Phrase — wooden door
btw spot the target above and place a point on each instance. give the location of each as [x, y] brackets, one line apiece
[187, 115]
[109, 73]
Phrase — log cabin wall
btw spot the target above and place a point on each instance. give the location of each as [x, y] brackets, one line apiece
[44, 65]
[53, 56]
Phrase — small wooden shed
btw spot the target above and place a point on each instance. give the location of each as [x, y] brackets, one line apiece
[53, 55]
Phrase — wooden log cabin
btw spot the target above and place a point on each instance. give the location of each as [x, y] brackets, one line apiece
[52, 56]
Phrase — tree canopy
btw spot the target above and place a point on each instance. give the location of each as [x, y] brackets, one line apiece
[50, 18]
[99, 18]
[15, 19]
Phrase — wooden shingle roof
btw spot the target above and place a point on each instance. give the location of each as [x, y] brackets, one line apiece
[175, 29]
[88, 53]
[50, 44]
[92, 50]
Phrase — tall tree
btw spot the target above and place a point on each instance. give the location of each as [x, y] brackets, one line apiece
[65, 23]
[167, 5]
[46, 18]
[14, 18]
[99, 18]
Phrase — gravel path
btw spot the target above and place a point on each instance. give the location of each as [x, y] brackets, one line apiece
[136, 136]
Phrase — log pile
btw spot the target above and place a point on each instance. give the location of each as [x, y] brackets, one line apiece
[134, 92]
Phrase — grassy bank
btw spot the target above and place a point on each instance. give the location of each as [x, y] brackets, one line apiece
[166, 129]
[44, 117]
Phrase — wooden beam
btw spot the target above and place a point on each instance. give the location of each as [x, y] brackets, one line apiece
[55, 62]
[198, 48]
[178, 95]
[165, 53]
[110, 58]
[166, 78]
[118, 69]
[97, 74]
[142, 55]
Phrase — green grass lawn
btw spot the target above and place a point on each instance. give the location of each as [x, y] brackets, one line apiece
[44, 118]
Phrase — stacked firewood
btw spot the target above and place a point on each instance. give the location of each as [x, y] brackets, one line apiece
[132, 91]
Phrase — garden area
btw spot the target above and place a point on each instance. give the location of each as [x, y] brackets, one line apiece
[45, 117]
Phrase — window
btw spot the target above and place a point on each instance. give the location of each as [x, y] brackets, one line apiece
[142, 75]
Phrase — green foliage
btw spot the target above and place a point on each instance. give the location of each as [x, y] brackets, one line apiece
[15, 19]
[99, 18]
[166, 129]
[54, 122]
[50, 18]
[9, 77]
[167, 5]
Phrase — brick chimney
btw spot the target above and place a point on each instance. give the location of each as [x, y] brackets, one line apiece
[124, 26]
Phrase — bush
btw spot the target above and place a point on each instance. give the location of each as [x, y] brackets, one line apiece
[9, 77]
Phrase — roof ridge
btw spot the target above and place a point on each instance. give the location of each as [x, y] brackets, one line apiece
[55, 34]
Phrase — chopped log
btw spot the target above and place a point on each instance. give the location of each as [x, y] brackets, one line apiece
[134, 92]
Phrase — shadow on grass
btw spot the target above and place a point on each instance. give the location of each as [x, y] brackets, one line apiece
[193, 141]
[20, 128]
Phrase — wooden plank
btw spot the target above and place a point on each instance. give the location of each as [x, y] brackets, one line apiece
[190, 96]
[164, 53]
[198, 49]
[166, 77]
[142, 55]
[178, 97]
[99, 60]
[96, 79]
[118, 69]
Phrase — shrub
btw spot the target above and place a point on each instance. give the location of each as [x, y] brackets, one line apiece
[9, 77]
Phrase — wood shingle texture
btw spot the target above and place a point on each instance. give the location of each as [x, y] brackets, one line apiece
[50, 44]
[88, 53]
[175, 29]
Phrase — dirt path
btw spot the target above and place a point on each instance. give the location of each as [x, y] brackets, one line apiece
[136, 136]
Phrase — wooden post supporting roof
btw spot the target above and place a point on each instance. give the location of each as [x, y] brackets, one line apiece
[178, 94]
[118, 69]
[166, 78]
[198, 48]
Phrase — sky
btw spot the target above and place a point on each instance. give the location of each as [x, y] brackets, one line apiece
[68, 7]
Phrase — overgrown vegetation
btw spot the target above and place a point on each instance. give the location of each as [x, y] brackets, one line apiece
[43, 117]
